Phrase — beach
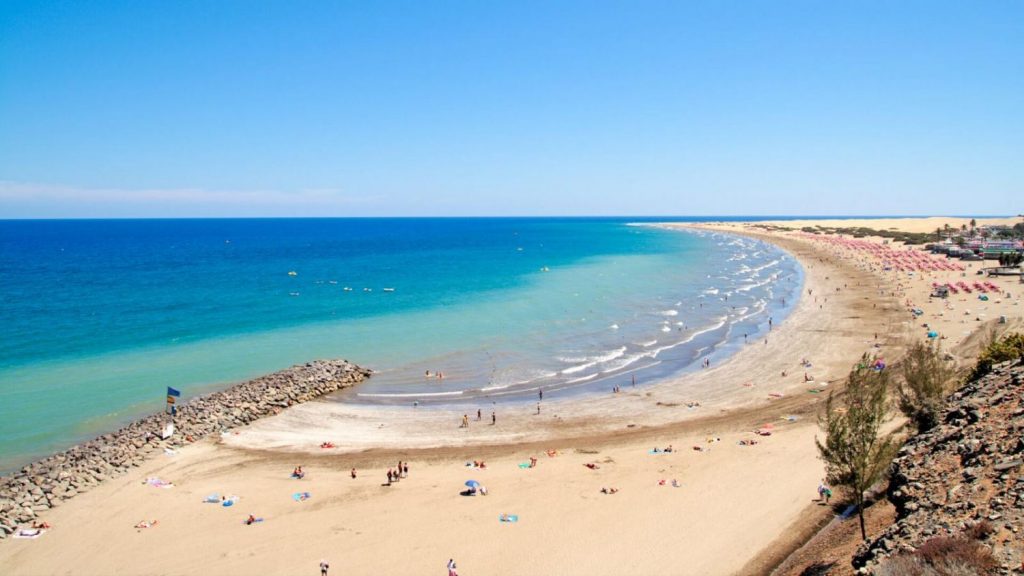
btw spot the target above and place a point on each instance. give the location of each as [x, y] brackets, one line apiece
[733, 504]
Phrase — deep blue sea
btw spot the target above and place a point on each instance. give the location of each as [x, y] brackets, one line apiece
[100, 316]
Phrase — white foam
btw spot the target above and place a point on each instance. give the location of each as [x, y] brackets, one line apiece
[670, 312]
[582, 378]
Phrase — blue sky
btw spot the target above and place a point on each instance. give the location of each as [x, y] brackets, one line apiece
[518, 108]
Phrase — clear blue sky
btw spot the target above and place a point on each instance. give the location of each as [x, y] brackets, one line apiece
[220, 108]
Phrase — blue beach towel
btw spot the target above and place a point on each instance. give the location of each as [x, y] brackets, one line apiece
[524, 464]
[300, 496]
[510, 518]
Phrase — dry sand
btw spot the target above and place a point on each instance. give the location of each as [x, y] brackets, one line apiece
[733, 503]
[922, 225]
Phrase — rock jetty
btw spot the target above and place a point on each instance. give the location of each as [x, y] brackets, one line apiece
[964, 477]
[46, 483]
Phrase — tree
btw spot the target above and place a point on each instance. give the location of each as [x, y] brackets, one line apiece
[922, 384]
[855, 452]
[938, 234]
[974, 224]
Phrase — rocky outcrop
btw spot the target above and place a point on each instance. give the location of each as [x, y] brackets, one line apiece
[966, 476]
[45, 484]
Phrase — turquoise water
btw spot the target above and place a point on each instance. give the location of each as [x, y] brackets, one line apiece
[100, 316]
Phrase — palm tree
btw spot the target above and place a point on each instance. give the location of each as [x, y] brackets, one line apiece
[938, 234]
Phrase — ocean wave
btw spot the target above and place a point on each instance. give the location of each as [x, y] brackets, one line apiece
[669, 312]
[595, 360]
[582, 378]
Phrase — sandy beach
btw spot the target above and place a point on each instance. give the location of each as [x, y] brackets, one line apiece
[734, 502]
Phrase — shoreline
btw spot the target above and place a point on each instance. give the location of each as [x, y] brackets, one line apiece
[753, 493]
[719, 389]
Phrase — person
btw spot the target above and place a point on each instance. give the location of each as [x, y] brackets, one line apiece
[405, 469]
[250, 520]
[323, 567]
[494, 418]
[297, 473]
[389, 476]
[479, 414]
[452, 568]
[540, 394]
[669, 449]
[533, 462]
[675, 483]
[538, 407]
[353, 473]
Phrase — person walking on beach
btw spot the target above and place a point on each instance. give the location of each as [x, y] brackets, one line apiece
[405, 469]
[323, 567]
[451, 568]
[494, 418]
[538, 407]
[478, 414]
[353, 473]
[540, 394]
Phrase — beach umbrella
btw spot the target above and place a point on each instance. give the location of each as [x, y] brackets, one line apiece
[472, 483]
[933, 334]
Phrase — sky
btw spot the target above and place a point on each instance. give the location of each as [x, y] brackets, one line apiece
[719, 107]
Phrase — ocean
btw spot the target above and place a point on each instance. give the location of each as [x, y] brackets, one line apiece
[100, 316]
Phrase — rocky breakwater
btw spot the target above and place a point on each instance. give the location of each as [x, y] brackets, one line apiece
[962, 479]
[46, 483]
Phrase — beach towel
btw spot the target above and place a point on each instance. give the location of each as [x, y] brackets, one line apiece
[524, 464]
[29, 533]
[509, 518]
[301, 496]
[212, 499]
[229, 502]
[653, 451]
[158, 483]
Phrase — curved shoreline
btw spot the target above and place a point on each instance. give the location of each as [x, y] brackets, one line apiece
[762, 489]
[686, 397]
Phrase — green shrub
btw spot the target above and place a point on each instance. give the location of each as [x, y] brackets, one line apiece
[1010, 347]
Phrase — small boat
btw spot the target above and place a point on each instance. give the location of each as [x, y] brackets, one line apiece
[545, 269]
[293, 273]
[347, 288]
[367, 289]
[389, 289]
[293, 293]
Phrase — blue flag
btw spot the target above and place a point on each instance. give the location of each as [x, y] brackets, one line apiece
[172, 396]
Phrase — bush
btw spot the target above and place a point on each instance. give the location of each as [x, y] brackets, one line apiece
[953, 556]
[943, 556]
[924, 376]
[1009, 347]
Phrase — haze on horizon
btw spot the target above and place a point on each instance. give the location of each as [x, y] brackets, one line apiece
[150, 109]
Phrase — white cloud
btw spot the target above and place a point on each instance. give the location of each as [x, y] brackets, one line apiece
[29, 199]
